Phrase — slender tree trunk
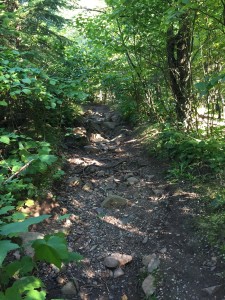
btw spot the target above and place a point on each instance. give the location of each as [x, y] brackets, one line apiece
[178, 56]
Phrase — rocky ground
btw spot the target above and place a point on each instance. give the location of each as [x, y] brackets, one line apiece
[135, 230]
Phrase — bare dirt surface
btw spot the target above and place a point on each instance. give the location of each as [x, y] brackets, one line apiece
[158, 219]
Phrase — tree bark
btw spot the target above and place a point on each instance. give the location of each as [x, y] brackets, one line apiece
[178, 57]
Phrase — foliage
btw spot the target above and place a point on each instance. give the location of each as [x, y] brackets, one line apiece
[191, 154]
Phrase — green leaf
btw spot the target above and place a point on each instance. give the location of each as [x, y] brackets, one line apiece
[26, 80]
[22, 267]
[48, 159]
[13, 228]
[52, 249]
[35, 295]
[26, 91]
[66, 216]
[73, 256]
[3, 103]
[5, 139]
[5, 247]
[23, 285]
[5, 209]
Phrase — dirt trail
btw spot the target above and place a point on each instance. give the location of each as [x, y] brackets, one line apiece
[157, 220]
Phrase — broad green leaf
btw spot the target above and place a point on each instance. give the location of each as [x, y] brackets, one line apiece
[48, 159]
[26, 91]
[5, 247]
[35, 295]
[73, 256]
[3, 103]
[22, 285]
[22, 267]
[52, 249]
[5, 139]
[26, 80]
[5, 209]
[13, 228]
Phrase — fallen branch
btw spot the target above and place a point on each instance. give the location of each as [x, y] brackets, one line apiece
[18, 172]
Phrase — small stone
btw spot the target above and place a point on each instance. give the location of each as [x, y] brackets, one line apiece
[122, 258]
[132, 180]
[118, 272]
[153, 264]
[111, 262]
[74, 181]
[145, 240]
[101, 173]
[60, 280]
[212, 289]
[148, 258]
[114, 201]
[87, 187]
[148, 286]
[69, 289]
[158, 192]
[163, 250]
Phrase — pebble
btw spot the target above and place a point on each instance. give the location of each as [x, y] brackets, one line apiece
[145, 240]
[118, 272]
[148, 286]
[69, 289]
[132, 180]
[122, 258]
[111, 262]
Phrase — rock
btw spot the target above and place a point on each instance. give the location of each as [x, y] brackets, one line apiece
[111, 262]
[60, 280]
[114, 201]
[148, 286]
[153, 264]
[110, 125]
[87, 187]
[163, 250]
[146, 259]
[145, 240]
[97, 138]
[132, 180]
[118, 272]
[126, 176]
[212, 289]
[69, 289]
[122, 258]
[91, 149]
[158, 192]
[101, 173]
[27, 239]
[74, 181]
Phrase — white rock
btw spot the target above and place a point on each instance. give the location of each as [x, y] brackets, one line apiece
[148, 286]
[118, 272]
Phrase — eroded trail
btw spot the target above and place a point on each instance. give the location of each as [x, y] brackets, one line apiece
[151, 223]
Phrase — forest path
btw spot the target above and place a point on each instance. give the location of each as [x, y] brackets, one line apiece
[157, 220]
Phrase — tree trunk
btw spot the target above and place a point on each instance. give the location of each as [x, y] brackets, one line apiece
[178, 56]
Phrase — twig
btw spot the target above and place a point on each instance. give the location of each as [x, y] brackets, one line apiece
[18, 172]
